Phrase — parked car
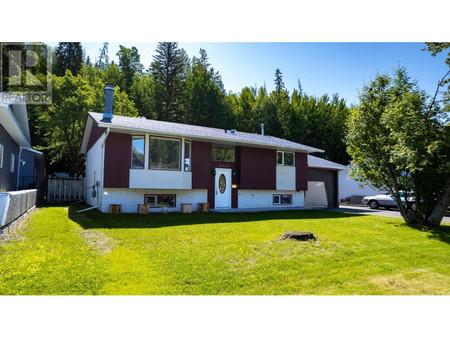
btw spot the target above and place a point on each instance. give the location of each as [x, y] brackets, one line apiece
[386, 200]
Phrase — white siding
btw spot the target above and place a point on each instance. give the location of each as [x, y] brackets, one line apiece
[285, 177]
[160, 179]
[348, 187]
[264, 199]
[130, 198]
[94, 170]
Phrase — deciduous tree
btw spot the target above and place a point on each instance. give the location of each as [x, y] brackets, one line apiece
[400, 143]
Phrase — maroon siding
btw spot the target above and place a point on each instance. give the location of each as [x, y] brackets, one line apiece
[301, 171]
[202, 177]
[96, 132]
[258, 169]
[117, 161]
[201, 165]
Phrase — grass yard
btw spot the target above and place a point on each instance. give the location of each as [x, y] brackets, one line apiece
[61, 252]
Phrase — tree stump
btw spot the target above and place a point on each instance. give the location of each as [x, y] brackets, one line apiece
[298, 235]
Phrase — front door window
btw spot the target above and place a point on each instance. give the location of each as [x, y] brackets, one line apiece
[222, 183]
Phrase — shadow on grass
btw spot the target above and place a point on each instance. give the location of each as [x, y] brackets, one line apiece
[441, 233]
[93, 219]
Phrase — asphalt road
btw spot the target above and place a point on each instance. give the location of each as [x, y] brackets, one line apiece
[365, 210]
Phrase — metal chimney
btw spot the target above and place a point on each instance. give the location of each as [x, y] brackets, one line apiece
[262, 128]
[109, 93]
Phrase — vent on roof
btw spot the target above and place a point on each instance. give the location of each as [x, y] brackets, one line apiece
[233, 131]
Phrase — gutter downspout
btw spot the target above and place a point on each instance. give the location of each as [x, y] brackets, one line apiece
[102, 170]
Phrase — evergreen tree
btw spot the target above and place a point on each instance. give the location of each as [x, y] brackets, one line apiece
[69, 56]
[130, 65]
[168, 73]
[206, 103]
[279, 84]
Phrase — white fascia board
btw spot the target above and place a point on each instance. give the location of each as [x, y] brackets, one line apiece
[209, 139]
[86, 135]
[9, 122]
[325, 167]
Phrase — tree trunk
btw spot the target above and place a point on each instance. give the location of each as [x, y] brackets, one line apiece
[442, 204]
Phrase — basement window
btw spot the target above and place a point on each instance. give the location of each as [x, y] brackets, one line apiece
[285, 158]
[159, 201]
[279, 199]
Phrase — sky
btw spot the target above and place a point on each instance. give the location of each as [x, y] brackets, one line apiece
[323, 68]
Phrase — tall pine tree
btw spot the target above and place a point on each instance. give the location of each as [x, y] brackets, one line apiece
[168, 70]
[69, 56]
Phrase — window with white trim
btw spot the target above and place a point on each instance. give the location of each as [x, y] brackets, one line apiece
[187, 156]
[137, 152]
[1, 155]
[165, 153]
[13, 162]
[285, 158]
[282, 199]
[158, 201]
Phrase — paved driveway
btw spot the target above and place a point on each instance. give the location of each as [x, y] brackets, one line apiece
[374, 212]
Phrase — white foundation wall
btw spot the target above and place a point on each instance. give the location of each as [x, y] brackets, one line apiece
[94, 170]
[264, 199]
[285, 177]
[130, 198]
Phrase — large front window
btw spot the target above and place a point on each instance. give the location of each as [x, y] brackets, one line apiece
[164, 153]
[222, 153]
[137, 152]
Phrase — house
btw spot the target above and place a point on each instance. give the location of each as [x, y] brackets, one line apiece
[131, 161]
[20, 165]
[350, 188]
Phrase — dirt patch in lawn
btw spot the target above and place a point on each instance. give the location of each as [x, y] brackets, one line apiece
[418, 281]
[99, 241]
[9, 238]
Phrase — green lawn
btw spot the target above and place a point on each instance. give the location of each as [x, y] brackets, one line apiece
[61, 252]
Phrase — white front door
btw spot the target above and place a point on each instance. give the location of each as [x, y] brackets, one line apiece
[223, 188]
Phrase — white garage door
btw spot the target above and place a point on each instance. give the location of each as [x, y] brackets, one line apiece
[316, 196]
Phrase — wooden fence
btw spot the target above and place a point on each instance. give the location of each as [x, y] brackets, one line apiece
[64, 189]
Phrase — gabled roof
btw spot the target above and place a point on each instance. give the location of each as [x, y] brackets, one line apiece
[317, 162]
[136, 125]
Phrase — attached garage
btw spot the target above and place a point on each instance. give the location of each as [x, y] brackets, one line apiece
[323, 183]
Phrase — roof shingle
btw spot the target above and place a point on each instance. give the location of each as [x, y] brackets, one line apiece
[186, 130]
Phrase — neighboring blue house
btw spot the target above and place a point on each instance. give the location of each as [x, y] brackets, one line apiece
[21, 167]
